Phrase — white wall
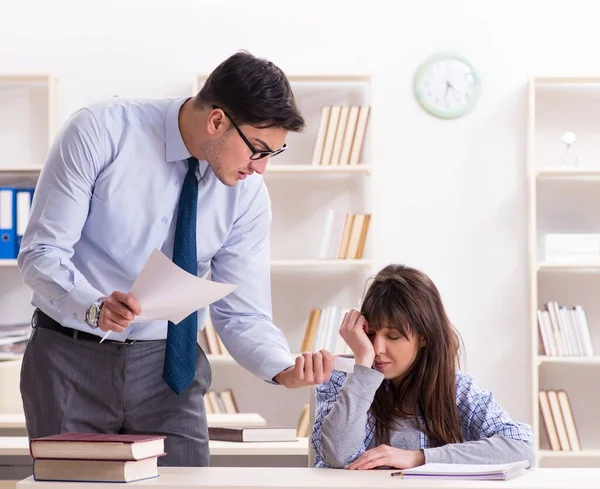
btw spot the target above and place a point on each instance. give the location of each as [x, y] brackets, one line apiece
[451, 195]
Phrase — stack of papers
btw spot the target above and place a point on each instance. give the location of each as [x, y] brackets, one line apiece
[496, 472]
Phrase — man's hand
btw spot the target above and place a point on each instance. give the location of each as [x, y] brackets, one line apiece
[118, 311]
[386, 456]
[310, 369]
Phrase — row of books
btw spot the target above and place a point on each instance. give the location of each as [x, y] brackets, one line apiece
[564, 331]
[220, 402]
[210, 341]
[341, 135]
[322, 329]
[559, 420]
[345, 235]
[15, 204]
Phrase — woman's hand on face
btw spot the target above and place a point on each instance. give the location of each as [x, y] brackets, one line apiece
[354, 332]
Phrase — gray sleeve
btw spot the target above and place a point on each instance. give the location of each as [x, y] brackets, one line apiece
[497, 449]
[343, 430]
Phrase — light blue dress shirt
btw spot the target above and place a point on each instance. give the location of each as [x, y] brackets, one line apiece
[107, 197]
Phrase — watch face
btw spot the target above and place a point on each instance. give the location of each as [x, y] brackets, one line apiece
[92, 314]
[447, 86]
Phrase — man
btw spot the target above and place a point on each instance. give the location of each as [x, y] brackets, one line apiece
[122, 178]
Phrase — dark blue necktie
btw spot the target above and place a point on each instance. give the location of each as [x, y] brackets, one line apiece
[180, 356]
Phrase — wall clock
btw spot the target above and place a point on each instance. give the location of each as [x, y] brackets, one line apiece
[447, 86]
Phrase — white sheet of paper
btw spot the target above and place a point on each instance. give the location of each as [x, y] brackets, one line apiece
[167, 292]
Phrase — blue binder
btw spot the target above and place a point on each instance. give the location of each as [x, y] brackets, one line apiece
[7, 223]
[22, 206]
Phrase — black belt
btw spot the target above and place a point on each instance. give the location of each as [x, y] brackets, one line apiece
[42, 320]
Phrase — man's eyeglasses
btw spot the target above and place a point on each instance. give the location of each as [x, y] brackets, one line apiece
[256, 154]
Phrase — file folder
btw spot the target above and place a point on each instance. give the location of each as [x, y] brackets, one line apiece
[7, 224]
[23, 198]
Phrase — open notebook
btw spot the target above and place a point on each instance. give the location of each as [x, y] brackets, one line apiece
[466, 471]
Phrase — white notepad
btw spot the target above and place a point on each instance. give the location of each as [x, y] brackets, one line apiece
[466, 471]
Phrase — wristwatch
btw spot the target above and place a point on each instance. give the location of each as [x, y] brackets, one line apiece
[92, 313]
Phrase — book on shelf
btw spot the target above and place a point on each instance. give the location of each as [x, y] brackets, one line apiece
[466, 471]
[571, 247]
[345, 235]
[559, 421]
[96, 457]
[321, 331]
[210, 341]
[563, 331]
[341, 135]
[302, 431]
[220, 402]
[252, 434]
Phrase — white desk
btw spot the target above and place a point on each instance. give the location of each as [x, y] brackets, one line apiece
[304, 478]
[18, 446]
[225, 420]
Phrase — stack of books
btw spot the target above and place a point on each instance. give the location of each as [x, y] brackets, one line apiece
[95, 457]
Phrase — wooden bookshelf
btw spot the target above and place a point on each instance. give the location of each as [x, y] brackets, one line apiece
[562, 199]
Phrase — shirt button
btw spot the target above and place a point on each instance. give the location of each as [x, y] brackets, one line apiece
[164, 220]
[176, 182]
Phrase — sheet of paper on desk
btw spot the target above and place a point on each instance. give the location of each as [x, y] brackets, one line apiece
[167, 292]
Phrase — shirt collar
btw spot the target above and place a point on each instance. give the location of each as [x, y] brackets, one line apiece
[175, 149]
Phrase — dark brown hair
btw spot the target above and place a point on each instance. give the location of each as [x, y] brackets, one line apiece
[253, 91]
[406, 300]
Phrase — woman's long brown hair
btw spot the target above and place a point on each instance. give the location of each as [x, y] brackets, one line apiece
[406, 300]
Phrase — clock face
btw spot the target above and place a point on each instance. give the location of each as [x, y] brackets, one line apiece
[447, 86]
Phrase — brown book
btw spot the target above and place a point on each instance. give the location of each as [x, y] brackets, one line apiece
[303, 422]
[559, 422]
[310, 333]
[97, 446]
[363, 237]
[548, 421]
[213, 399]
[360, 134]
[567, 413]
[349, 135]
[94, 470]
[252, 434]
[339, 136]
[211, 338]
[332, 125]
[355, 234]
[321, 134]
[229, 401]
[343, 250]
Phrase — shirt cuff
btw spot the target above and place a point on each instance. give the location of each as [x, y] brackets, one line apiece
[437, 455]
[78, 300]
[276, 366]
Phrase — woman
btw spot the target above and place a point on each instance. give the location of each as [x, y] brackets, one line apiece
[406, 403]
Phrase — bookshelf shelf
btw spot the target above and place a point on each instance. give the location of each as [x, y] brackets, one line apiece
[569, 174]
[8, 263]
[567, 454]
[574, 267]
[318, 170]
[20, 169]
[595, 360]
[317, 264]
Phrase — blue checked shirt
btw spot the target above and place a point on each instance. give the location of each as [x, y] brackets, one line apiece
[480, 416]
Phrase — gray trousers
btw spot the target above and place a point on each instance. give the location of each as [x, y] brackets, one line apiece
[78, 385]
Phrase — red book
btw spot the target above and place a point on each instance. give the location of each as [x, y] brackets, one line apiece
[97, 446]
